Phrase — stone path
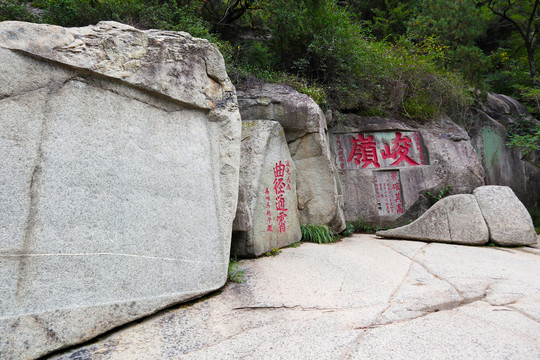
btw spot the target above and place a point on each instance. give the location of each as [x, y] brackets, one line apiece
[362, 298]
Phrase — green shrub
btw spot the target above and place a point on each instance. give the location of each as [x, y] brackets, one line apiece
[235, 273]
[349, 230]
[535, 216]
[361, 228]
[15, 10]
[321, 234]
[437, 195]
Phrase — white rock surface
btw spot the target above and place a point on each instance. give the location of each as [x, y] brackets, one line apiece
[508, 220]
[267, 214]
[361, 298]
[118, 178]
[453, 219]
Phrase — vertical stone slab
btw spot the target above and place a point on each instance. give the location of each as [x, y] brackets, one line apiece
[267, 215]
[319, 192]
[389, 194]
[119, 178]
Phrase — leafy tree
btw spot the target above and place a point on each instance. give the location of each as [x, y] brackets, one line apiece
[524, 15]
[453, 27]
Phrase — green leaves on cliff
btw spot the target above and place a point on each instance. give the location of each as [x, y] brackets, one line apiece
[402, 58]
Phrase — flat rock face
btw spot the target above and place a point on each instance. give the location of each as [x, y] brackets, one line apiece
[118, 178]
[267, 214]
[507, 218]
[387, 167]
[360, 298]
[454, 219]
[319, 200]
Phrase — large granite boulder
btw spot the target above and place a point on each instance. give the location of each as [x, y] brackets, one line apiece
[455, 219]
[118, 178]
[387, 167]
[267, 213]
[507, 218]
[504, 165]
[319, 195]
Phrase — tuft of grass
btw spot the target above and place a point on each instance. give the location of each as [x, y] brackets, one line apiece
[321, 234]
[273, 252]
[438, 195]
[349, 229]
[235, 273]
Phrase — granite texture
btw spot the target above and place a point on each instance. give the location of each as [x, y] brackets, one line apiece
[508, 220]
[267, 213]
[319, 191]
[118, 178]
[453, 219]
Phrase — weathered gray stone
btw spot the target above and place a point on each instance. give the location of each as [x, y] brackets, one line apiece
[319, 195]
[267, 214]
[507, 218]
[503, 108]
[118, 178]
[504, 165]
[454, 219]
[438, 155]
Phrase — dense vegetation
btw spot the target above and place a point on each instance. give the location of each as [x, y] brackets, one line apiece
[415, 59]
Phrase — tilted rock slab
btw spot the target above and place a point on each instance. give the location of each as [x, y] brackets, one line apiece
[454, 219]
[267, 213]
[319, 193]
[118, 178]
[508, 220]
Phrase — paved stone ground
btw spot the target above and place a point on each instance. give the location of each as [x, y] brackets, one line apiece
[361, 298]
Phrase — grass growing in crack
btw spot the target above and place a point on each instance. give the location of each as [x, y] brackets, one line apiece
[235, 273]
[273, 252]
[438, 195]
[321, 234]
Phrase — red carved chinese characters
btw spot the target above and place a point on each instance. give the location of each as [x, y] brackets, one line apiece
[364, 151]
[341, 153]
[400, 150]
[280, 185]
[388, 192]
[268, 213]
[419, 148]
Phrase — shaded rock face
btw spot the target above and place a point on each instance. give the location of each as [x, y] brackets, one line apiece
[507, 218]
[119, 178]
[267, 213]
[454, 219]
[319, 199]
[386, 167]
[504, 165]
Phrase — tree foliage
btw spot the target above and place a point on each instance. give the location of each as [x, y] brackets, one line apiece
[524, 16]
[409, 58]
